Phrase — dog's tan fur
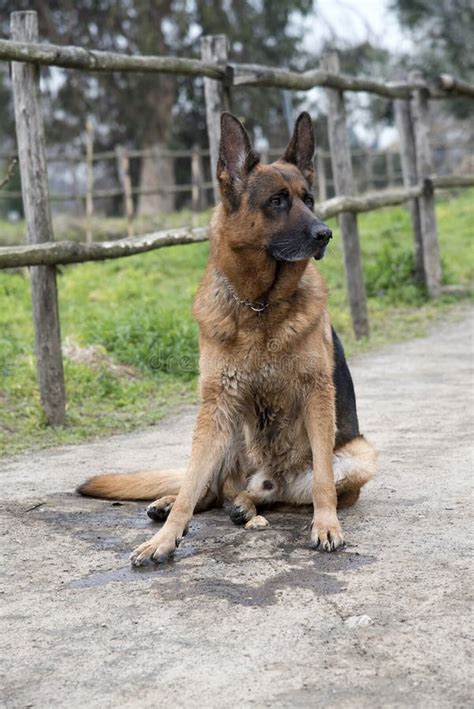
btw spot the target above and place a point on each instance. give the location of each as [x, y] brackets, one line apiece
[267, 410]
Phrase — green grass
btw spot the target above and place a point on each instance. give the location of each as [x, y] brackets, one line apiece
[137, 312]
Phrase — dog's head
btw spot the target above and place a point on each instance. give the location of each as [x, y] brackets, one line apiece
[271, 206]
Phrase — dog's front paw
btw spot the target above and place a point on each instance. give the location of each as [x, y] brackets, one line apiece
[326, 533]
[158, 549]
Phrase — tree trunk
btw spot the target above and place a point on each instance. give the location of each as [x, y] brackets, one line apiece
[158, 95]
[156, 173]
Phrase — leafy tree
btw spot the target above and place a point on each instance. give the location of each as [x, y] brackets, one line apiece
[443, 34]
[156, 110]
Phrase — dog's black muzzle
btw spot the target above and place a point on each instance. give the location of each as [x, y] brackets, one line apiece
[304, 241]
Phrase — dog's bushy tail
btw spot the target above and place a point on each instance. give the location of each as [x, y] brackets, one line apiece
[146, 485]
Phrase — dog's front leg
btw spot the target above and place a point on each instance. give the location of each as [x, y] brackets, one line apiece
[326, 533]
[211, 437]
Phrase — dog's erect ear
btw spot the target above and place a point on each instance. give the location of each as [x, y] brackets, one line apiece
[300, 151]
[237, 158]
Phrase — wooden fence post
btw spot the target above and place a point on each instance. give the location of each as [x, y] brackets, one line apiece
[123, 168]
[389, 156]
[321, 175]
[197, 193]
[75, 183]
[89, 178]
[424, 161]
[369, 171]
[406, 133]
[344, 185]
[214, 48]
[34, 185]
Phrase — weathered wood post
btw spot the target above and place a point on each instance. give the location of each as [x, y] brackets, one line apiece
[406, 134]
[75, 184]
[197, 180]
[344, 185]
[321, 174]
[214, 48]
[265, 156]
[390, 168]
[425, 170]
[123, 169]
[369, 170]
[34, 186]
[89, 178]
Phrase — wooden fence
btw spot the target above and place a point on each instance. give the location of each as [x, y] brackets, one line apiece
[373, 169]
[220, 77]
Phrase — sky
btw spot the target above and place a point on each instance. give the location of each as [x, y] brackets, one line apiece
[355, 20]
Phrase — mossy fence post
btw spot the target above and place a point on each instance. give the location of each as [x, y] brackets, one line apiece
[406, 135]
[425, 170]
[321, 175]
[34, 186]
[344, 185]
[123, 170]
[198, 195]
[89, 178]
[214, 48]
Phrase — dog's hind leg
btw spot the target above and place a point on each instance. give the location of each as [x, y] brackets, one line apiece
[159, 510]
[354, 465]
[261, 490]
[242, 509]
[244, 512]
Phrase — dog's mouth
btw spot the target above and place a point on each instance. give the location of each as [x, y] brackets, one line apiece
[310, 243]
[320, 254]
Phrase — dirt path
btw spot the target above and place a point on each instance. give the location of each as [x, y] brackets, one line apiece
[254, 618]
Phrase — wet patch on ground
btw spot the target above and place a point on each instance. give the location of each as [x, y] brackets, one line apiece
[317, 576]
[281, 552]
[107, 525]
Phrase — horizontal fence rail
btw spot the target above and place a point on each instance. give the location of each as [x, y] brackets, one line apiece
[255, 75]
[387, 174]
[95, 60]
[106, 194]
[64, 252]
[78, 157]
[231, 74]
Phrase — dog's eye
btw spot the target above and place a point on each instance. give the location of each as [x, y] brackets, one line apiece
[309, 201]
[277, 201]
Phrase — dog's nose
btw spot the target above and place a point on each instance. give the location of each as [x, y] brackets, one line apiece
[321, 232]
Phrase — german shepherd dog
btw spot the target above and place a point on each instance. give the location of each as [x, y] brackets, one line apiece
[277, 421]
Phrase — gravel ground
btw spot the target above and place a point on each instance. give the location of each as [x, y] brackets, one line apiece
[246, 618]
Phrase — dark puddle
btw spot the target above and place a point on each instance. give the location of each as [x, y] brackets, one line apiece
[127, 574]
[170, 584]
[317, 578]
[103, 523]
[119, 528]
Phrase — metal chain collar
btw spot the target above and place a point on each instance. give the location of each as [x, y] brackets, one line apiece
[257, 306]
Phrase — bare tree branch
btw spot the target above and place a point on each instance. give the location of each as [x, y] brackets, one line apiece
[10, 170]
